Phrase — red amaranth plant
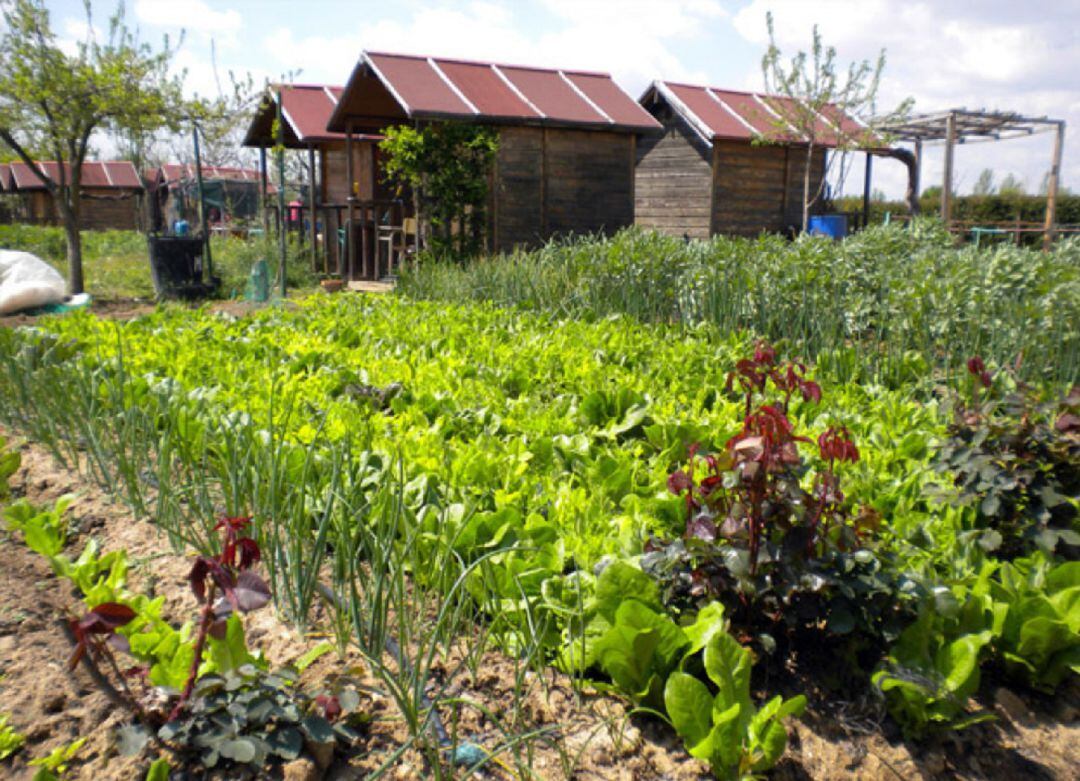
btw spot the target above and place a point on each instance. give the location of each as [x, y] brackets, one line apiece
[756, 481]
[242, 590]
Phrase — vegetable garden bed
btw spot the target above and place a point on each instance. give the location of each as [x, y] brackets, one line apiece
[473, 481]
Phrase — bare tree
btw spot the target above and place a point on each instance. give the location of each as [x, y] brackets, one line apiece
[819, 100]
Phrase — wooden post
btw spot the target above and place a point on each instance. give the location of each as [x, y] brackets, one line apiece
[543, 184]
[1052, 187]
[916, 180]
[947, 179]
[279, 153]
[866, 190]
[263, 190]
[349, 249]
[313, 232]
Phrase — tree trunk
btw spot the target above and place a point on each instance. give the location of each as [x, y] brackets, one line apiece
[74, 258]
[69, 215]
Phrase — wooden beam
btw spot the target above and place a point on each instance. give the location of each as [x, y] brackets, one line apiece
[1052, 187]
[313, 229]
[543, 184]
[947, 178]
[916, 179]
[349, 249]
[263, 190]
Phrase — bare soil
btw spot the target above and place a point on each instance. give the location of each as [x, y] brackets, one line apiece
[587, 735]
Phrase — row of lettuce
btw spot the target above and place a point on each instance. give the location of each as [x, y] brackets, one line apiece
[555, 461]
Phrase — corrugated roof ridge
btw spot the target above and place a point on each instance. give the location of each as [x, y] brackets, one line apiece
[514, 87]
[729, 109]
[581, 94]
[453, 87]
[489, 63]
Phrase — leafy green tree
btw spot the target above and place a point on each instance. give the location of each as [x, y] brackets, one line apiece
[52, 103]
[1011, 185]
[984, 185]
[812, 87]
[446, 166]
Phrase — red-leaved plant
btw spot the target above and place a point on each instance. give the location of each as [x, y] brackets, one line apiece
[771, 537]
[241, 590]
[754, 485]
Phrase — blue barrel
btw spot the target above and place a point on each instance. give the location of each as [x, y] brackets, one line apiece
[831, 225]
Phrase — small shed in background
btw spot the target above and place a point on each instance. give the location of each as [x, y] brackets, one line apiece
[111, 195]
[710, 171]
[231, 195]
[567, 138]
[305, 111]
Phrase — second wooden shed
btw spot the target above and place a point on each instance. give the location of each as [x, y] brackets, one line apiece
[711, 172]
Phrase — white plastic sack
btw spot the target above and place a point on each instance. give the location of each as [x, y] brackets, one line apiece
[27, 281]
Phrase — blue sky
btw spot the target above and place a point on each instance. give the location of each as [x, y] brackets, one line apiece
[1022, 56]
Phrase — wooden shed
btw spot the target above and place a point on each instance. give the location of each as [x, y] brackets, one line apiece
[305, 111]
[711, 172]
[111, 195]
[567, 138]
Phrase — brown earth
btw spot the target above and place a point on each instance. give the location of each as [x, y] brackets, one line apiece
[587, 735]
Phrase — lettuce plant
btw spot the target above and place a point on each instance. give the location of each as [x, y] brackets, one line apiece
[10, 739]
[724, 728]
[44, 530]
[933, 668]
[10, 460]
[1038, 627]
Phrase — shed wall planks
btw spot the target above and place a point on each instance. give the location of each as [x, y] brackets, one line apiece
[673, 178]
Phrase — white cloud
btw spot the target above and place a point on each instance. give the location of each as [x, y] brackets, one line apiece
[634, 40]
[192, 15]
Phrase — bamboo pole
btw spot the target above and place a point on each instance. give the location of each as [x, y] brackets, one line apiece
[1052, 187]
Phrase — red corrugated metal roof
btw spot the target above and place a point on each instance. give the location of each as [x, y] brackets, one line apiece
[118, 175]
[418, 86]
[491, 94]
[5, 177]
[174, 172]
[743, 116]
[170, 173]
[307, 109]
[441, 88]
[554, 96]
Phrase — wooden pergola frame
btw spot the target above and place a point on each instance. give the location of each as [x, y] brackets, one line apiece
[961, 126]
